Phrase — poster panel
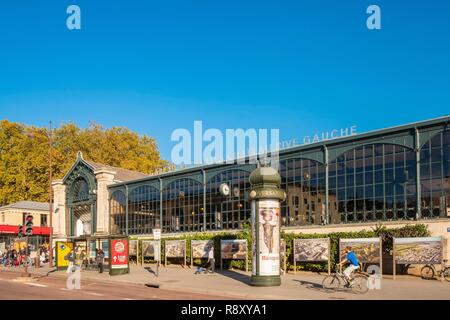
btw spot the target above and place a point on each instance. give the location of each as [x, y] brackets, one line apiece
[133, 248]
[233, 249]
[2, 247]
[149, 248]
[105, 248]
[418, 250]
[175, 248]
[62, 250]
[367, 250]
[312, 250]
[92, 250]
[269, 237]
[119, 254]
[201, 248]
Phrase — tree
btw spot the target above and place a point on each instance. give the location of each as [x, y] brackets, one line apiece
[24, 170]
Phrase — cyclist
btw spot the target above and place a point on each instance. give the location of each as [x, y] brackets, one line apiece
[350, 257]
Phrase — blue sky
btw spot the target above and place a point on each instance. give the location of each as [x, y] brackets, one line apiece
[154, 66]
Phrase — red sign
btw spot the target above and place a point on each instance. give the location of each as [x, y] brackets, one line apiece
[119, 254]
[6, 229]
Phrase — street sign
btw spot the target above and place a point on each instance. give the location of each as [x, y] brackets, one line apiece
[29, 225]
[157, 234]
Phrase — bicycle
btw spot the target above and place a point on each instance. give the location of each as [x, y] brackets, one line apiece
[429, 272]
[358, 283]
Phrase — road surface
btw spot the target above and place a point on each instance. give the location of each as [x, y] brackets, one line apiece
[14, 287]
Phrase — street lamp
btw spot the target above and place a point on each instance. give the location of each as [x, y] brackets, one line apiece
[50, 194]
[50, 144]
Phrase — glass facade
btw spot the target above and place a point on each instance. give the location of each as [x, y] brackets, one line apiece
[118, 213]
[183, 206]
[370, 183]
[435, 176]
[232, 211]
[375, 182]
[143, 210]
[304, 183]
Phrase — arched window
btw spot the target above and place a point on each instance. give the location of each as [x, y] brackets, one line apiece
[304, 183]
[118, 213]
[374, 182]
[143, 210]
[435, 176]
[182, 206]
[80, 190]
[232, 211]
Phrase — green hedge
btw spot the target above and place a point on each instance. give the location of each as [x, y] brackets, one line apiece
[418, 230]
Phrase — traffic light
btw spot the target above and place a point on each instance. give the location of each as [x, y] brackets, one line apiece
[20, 231]
[29, 225]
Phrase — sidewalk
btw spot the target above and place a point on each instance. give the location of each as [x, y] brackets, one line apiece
[235, 284]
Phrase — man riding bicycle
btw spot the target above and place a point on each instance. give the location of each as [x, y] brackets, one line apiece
[350, 257]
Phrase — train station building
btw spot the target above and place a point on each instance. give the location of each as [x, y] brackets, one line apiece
[394, 176]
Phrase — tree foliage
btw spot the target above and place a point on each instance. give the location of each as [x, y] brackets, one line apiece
[24, 155]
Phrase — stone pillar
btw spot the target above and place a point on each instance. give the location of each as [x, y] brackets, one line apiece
[104, 179]
[59, 210]
[265, 198]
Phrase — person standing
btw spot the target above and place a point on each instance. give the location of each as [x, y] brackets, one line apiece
[100, 260]
[71, 258]
[211, 260]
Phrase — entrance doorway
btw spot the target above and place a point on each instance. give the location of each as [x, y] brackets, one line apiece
[82, 220]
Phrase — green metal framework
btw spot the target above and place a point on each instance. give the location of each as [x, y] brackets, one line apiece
[81, 193]
[411, 137]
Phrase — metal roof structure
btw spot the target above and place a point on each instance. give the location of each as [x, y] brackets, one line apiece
[331, 143]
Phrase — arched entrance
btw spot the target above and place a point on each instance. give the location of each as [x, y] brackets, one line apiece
[81, 202]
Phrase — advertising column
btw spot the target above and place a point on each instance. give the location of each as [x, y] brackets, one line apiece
[265, 200]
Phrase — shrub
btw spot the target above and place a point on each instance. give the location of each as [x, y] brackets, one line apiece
[386, 234]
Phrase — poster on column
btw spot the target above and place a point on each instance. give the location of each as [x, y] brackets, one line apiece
[253, 238]
[269, 237]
